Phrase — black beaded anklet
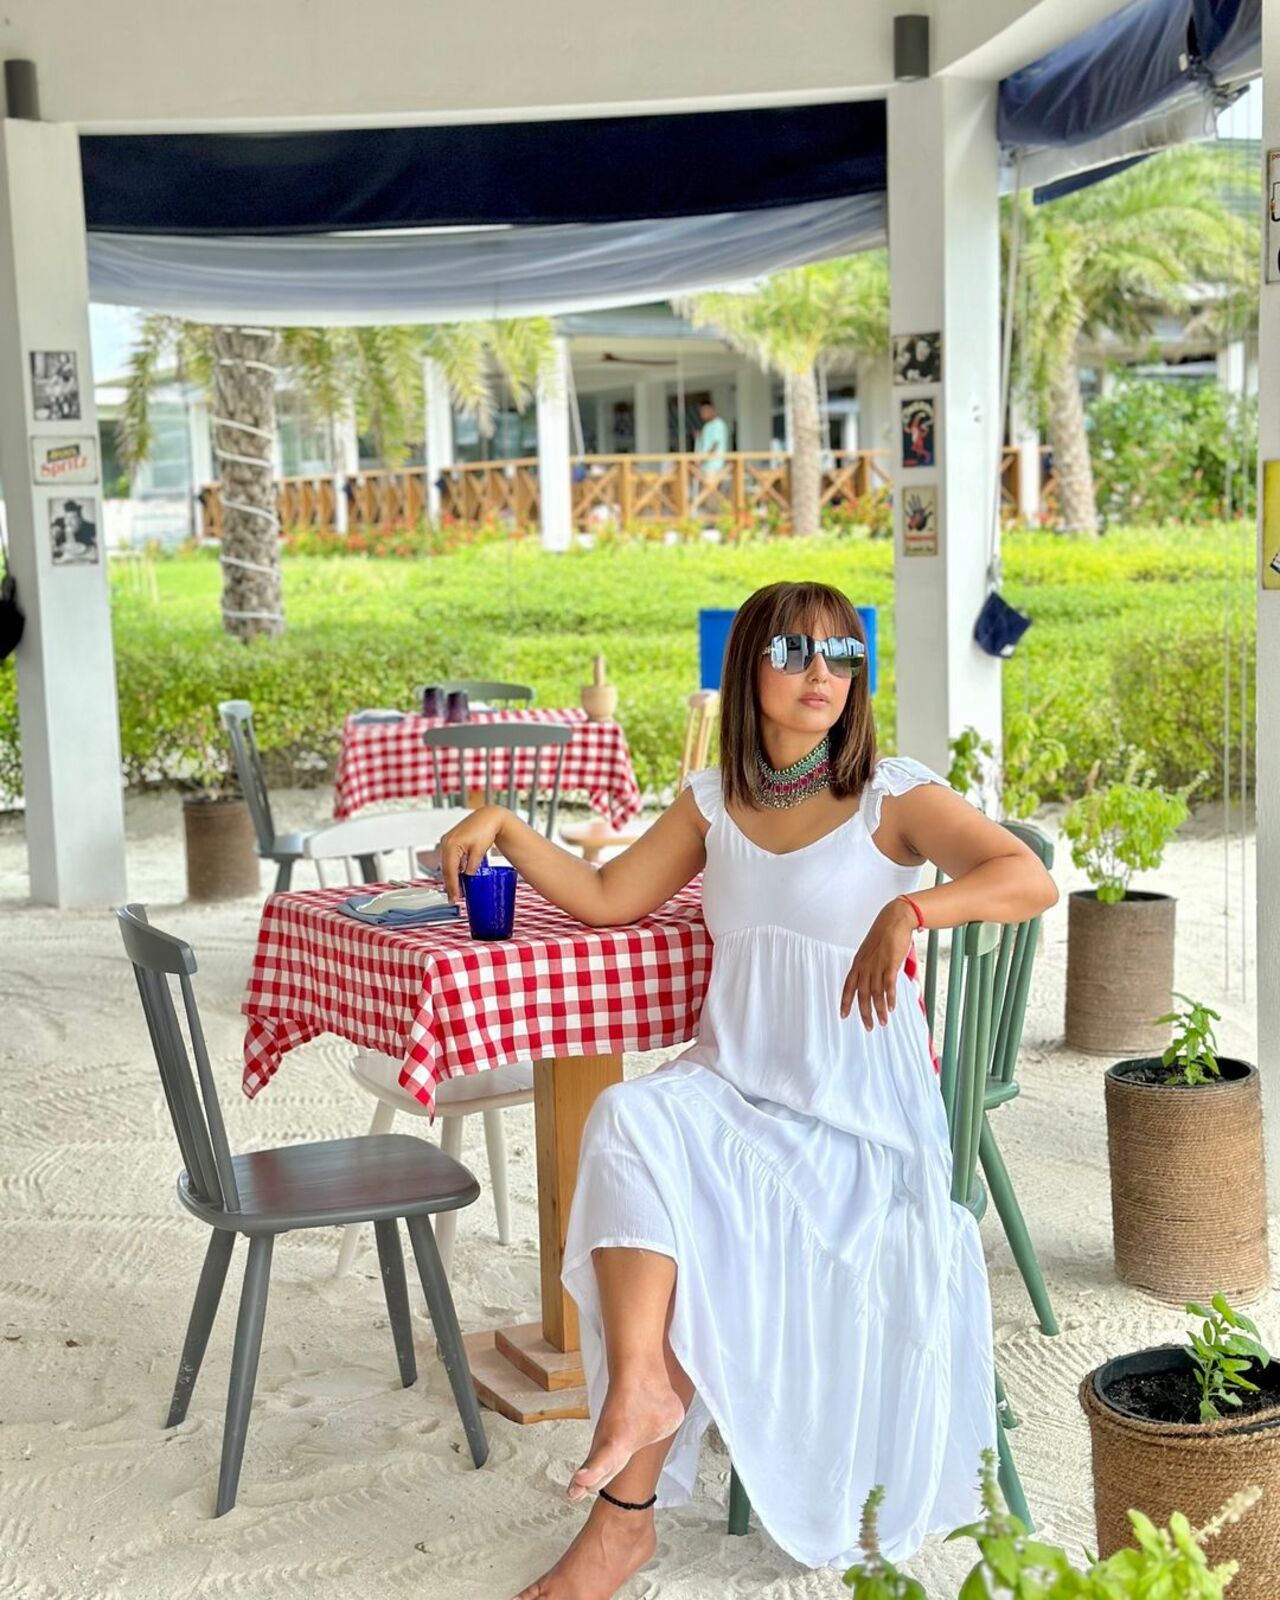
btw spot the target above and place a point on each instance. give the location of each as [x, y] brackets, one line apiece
[627, 1505]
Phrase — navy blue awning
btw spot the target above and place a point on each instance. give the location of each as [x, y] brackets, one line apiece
[600, 169]
[1125, 67]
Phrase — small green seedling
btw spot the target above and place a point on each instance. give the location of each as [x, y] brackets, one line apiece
[1194, 1048]
[1223, 1352]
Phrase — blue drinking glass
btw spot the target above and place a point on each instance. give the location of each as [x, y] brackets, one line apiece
[432, 701]
[490, 893]
[456, 708]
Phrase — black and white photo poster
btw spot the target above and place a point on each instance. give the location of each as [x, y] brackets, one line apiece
[55, 386]
[73, 531]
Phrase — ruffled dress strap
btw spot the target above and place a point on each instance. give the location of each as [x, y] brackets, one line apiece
[707, 792]
[894, 775]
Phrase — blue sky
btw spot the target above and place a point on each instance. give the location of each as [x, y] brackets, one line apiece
[111, 333]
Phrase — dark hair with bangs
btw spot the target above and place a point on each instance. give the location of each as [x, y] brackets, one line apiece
[790, 608]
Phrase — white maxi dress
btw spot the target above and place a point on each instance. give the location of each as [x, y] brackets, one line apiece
[831, 1302]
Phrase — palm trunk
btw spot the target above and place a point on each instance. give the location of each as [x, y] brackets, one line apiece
[1072, 467]
[244, 441]
[806, 464]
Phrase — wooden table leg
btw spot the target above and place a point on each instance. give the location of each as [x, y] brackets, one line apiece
[532, 1372]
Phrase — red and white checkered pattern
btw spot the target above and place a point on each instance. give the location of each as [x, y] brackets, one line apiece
[445, 1003]
[388, 761]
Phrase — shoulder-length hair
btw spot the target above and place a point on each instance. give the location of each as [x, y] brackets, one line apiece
[790, 608]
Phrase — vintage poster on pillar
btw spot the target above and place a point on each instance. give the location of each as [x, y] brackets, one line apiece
[920, 520]
[55, 386]
[917, 358]
[1270, 565]
[73, 531]
[64, 458]
[919, 448]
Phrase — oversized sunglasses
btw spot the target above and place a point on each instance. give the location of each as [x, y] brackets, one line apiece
[792, 652]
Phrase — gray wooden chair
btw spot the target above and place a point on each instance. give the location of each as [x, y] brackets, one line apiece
[282, 848]
[269, 1192]
[496, 1089]
[1012, 984]
[513, 737]
[492, 691]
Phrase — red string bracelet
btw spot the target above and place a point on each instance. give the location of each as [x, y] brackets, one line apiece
[915, 908]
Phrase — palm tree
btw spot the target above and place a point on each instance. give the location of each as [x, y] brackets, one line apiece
[786, 324]
[1111, 258]
[375, 372]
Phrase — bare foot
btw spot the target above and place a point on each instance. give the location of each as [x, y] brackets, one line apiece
[610, 1546]
[634, 1414]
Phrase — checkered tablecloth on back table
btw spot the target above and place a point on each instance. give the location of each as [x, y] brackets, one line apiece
[444, 1003]
[388, 761]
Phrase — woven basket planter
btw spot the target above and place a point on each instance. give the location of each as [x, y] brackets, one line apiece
[1119, 972]
[222, 861]
[1162, 1467]
[1188, 1184]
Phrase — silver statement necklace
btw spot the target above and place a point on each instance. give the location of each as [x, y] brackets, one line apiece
[780, 790]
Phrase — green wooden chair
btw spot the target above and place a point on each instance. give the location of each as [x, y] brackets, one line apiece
[990, 972]
[1012, 981]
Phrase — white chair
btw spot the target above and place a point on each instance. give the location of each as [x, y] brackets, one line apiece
[488, 1093]
[596, 836]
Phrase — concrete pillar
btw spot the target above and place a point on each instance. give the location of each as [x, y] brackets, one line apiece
[944, 264]
[345, 463]
[651, 417]
[1025, 439]
[554, 484]
[755, 407]
[875, 405]
[1267, 787]
[438, 437]
[66, 667]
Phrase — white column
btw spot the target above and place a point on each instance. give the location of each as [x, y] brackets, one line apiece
[875, 405]
[755, 407]
[1268, 708]
[944, 264]
[651, 417]
[346, 461]
[438, 448]
[1025, 438]
[66, 668]
[554, 486]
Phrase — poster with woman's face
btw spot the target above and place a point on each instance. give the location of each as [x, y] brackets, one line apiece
[73, 531]
[55, 386]
[918, 449]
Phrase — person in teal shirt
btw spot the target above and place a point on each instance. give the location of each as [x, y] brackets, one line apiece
[713, 439]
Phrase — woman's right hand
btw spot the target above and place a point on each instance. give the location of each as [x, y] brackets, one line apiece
[463, 848]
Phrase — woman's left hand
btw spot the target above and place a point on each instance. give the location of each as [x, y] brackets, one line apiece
[873, 978]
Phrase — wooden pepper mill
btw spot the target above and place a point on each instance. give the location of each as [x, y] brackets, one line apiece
[599, 699]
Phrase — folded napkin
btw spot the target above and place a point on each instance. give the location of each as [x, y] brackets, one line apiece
[377, 714]
[401, 908]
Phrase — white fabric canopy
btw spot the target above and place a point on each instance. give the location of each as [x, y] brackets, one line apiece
[452, 275]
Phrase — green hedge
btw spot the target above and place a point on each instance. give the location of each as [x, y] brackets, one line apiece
[1123, 646]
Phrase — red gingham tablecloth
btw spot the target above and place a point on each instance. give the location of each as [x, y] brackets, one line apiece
[445, 1003]
[388, 761]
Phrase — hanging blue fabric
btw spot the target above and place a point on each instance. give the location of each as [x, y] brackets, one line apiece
[1226, 30]
[1107, 76]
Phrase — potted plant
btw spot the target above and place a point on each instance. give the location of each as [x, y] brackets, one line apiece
[1188, 1426]
[1011, 787]
[217, 829]
[1188, 1181]
[1162, 1561]
[1120, 940]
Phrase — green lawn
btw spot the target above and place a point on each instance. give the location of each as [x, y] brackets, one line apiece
[1127, 642]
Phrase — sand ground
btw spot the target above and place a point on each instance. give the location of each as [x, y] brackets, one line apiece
[351, 1485]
